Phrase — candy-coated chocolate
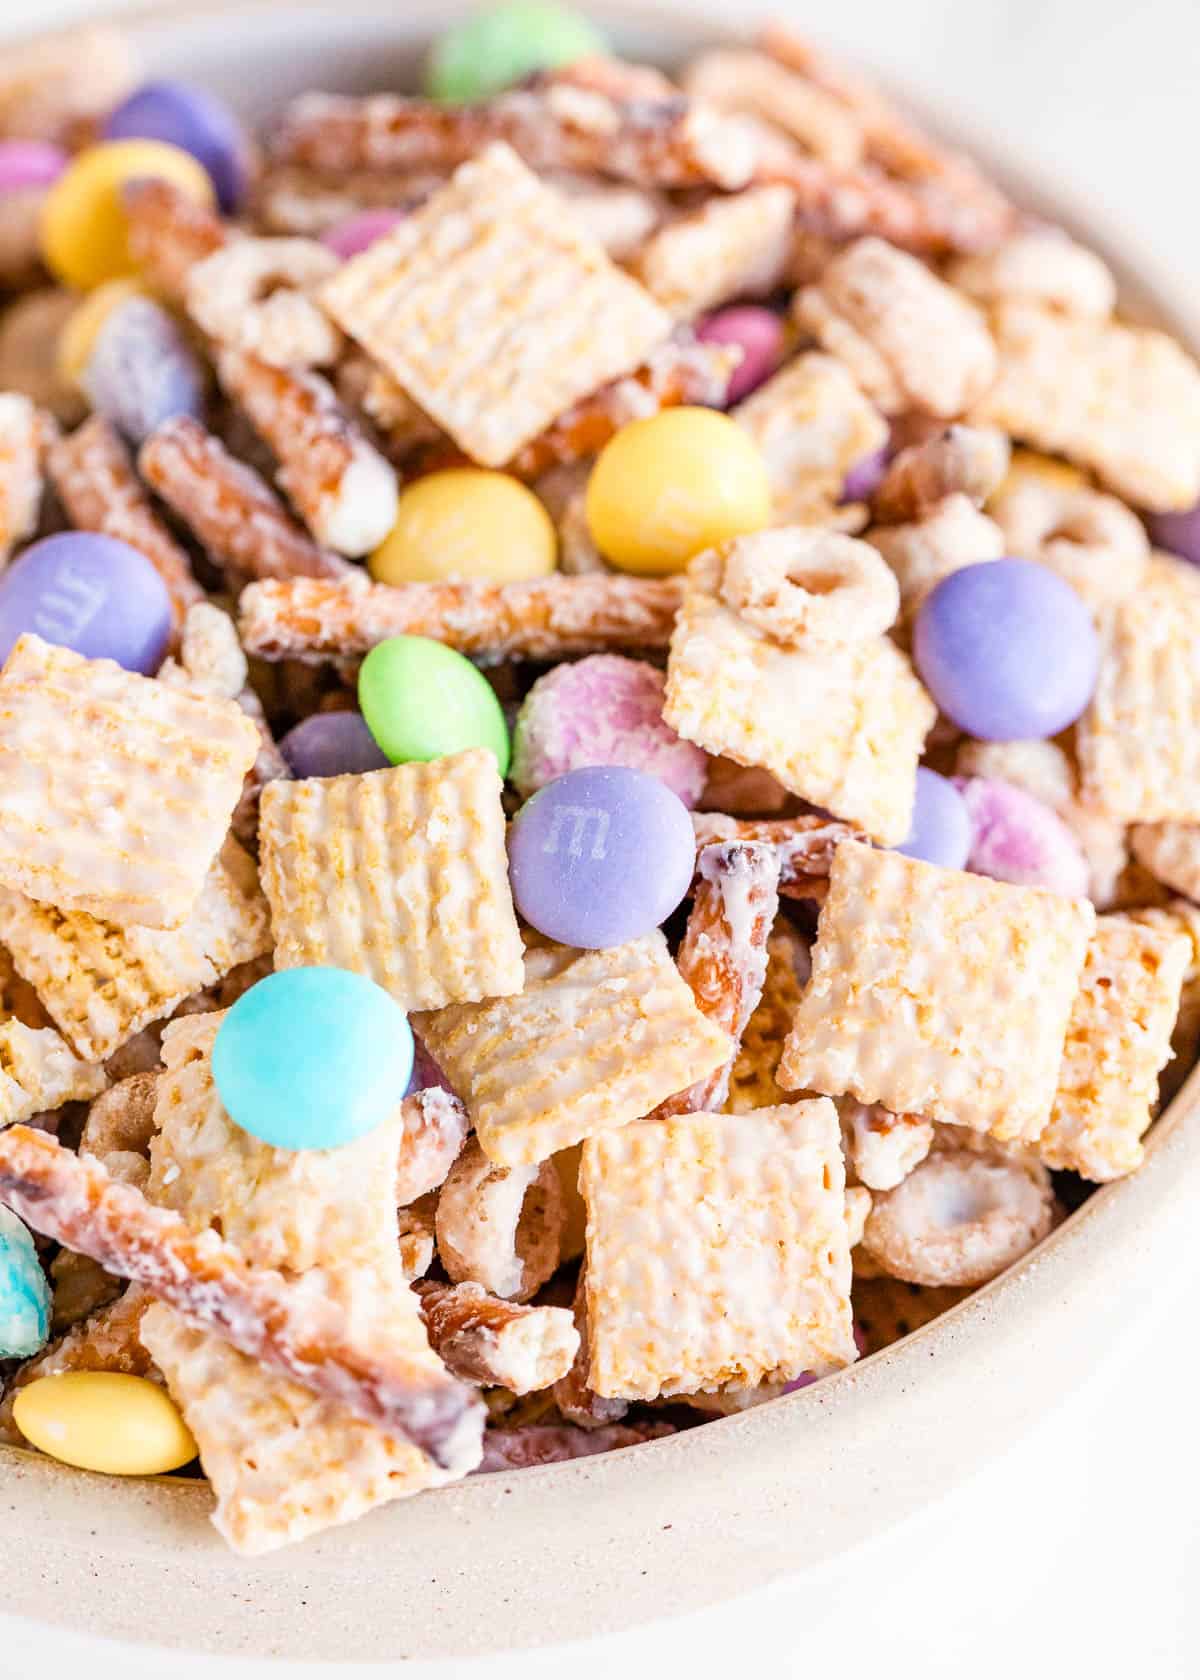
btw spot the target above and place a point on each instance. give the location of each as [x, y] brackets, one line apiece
[759, 334]
[106, 1421]
[24, 1292]
[94, 594]
[84, 227]
[312, 1058]
[466, 524]
[600, 856]
[142, 370]
[423, 700]
[78, 336]
[358, 232]
[666, 488]
[1016, 838]
[29, 163]
[1178, 533]
[332, 744]
[496, 47]
[941, 827]
[865, 476]
[196, 121]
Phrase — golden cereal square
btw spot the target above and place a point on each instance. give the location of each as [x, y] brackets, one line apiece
[594, 1040]
[493, 309]
[718, 1251]
[400, 874]
[1171, 852]
[115, 790]
[938, 993]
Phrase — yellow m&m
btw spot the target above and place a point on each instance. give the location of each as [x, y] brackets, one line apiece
[84, 231]
[664, 489]
[466, 523]
[106, 1421]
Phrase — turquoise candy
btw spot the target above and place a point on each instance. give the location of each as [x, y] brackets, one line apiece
[312, 1058]
[498, 46]
[24, 1292]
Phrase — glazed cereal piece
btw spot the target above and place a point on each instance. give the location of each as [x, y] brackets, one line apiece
[1178, 917]
[122, 1118]
[766, 1272]
[958, 1219]
[882, 1148]
[575, 1399]
[486, 1340]
[1171, 852]
[38, 1071]
[339, 483]
[1118, 1041]
[21, 438]
[434, 1130]
[737, 790]
[1042, 266]
[752, 1082]
[594, 1040]
[968, 461]
[921, 553]
[500, 1227]
[602, 710]
[747, 83]
[107, 1340]
[89, 833]
[533, 1444]
[233, 512]
[103, 983]
[1092, 540]
[887, 1309]
[210, 660]
[1121, 401]
[734, 247]
[811, 424]
[314, 620]
[494, 232]
[398, 874]
[841, 726]
[1017, 838]
[615, 214]
[95, 481]
[910, 340]
[29, 363]
[54, 87]
[254, 295]
[807, 589]
[169, 234]
[996, 968]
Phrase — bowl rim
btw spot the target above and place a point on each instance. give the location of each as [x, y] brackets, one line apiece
[795, 1483]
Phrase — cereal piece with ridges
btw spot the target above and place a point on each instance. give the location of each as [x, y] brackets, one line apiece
[752, 84]
[1171, 852]
[594, 1040]
[1118, 1041]
[718, 1251]
[736, 247]
[1178, 916]
[116, 790]
[1039, 265]
[21, 434]
[398, 874]
[38, 1072]
[562, 318]
[938, 993]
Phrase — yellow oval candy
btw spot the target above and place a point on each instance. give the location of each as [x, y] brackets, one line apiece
[664, 489]
[83, 226]
[102, 1420]
[466, 523]
[80, 330]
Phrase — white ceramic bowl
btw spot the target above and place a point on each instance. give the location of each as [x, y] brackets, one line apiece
[605, 1543]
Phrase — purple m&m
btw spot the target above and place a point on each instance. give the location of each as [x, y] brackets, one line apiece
[29, 163]
[941, 824]
[93, 594]
[1007, 649]
[353, 236]
[865, 476]
[758, 333]
[142, 370]
[1178, 533]
[600, 856]
[194, 120]
[332, 744]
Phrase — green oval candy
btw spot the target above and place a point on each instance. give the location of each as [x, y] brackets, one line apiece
[497, 47]
[422, 700]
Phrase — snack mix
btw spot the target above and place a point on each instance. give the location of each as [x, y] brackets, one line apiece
[599, 754]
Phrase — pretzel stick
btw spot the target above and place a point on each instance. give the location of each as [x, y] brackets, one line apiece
[235, 515]
[92, 473]
[313, 621]
[485, 1340]
[169, 233]
[805, 845]
[298, 1327]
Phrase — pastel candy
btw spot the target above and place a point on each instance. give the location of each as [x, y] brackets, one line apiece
[332, 744]
[29, 163]
[24, 1291]
[359, 232]
[424, 700]
[758, 333]
[1014, 837]
[105, 1421]
[141, 370]
[196, 121]
[93, 594]
[941, 825]
[497, 46]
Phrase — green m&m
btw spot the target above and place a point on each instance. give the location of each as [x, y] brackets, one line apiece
[498, 46]
[423, 700]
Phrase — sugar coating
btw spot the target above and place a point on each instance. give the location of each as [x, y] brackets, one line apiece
[1015, 837]
[24, 1291]
[38, 1072]
[602, 710]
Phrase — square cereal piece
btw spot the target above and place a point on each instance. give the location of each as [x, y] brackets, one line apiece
[938, 993]
[1171, 852]
[594, 1040]
[1118, 1040]
[115, 790]
[1122, 401]
[731, 247]
[103, 983]
[718, 1252]
[493, 309]
[752, 1082]
[841, 726]
[401, 875]
[38, 1071]
[1137, 745]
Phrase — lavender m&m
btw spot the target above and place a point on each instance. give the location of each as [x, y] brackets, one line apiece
[865, 476]
[29, 163]
[93, 594]
[941, 824]
[193, 119]
[1007, 649]
[360, 231]
[758, 333]
[600, 856]
[142, 370]
[1178, 533]
[332, 744]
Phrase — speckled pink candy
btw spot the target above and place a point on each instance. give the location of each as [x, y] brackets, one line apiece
[1014, 837]
[602, 710]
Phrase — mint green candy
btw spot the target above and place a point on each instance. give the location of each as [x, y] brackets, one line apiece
[423, 700]
[497, 47]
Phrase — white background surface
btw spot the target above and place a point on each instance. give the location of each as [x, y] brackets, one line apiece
[1080, 1552]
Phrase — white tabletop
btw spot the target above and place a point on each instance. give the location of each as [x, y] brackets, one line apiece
[1082, 1548]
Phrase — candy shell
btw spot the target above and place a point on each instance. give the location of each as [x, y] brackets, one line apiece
[106, 1421]
[758, 333]
[360, 231]
[865, 476]
[424, 700]
[496, 47]
[196, 121]
[332, 744]
[465, 524]
[78, 336]
[142, 371]
[24, 1292]
[1014, 837]
[29, 163]
[93, 594]
[312, 1058]
[941, 828]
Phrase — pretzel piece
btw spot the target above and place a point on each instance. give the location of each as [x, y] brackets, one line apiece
[485, 1340]
[882, 1148]
[500, 1226]
[968, 461]
[169, 234]
[122, 1118]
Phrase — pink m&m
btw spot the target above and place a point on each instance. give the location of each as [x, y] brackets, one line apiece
[358, 232]
[1014, 837]
[758, 333]
[29, 163]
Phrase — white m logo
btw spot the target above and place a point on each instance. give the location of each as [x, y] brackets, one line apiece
[580, 818]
